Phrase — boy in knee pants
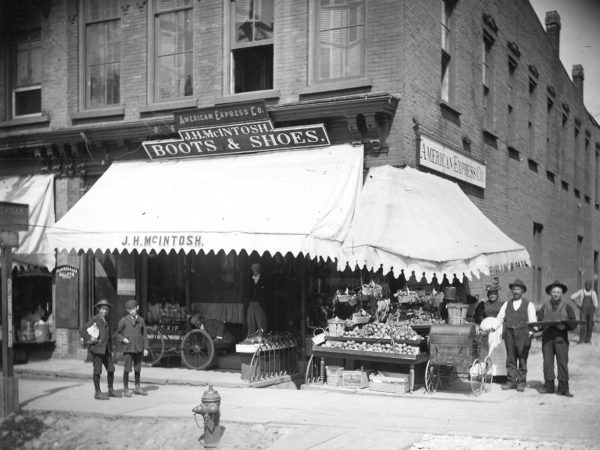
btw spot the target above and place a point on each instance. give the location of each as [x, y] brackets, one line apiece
[131, 332]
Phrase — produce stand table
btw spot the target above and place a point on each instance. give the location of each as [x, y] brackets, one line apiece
[359, 355]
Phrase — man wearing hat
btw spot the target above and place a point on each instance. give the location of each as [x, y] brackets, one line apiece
[491, 308]
[97, 333]
[514, 315]
[555, 338]
[132, 334]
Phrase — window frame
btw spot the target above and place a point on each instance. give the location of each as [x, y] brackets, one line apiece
[448, 45]
[153, 73]
[23, 37]
[84, 102]
[487, 81]
[314, 48]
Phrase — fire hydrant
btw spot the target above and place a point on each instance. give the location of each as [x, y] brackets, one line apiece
[210, 409]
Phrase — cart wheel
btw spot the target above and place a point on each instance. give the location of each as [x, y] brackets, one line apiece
[197, 349]
[156, 346]
[476, 376]
[488, 374]
[432, 377]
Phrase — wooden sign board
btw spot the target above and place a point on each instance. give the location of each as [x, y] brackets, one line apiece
[14, 216]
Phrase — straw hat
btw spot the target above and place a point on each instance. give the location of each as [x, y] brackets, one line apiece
[102, 303]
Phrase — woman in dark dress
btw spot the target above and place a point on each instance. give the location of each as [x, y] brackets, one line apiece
[491, 307]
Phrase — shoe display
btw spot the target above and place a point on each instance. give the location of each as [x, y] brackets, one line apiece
[139, 391]
[101, 396]
[127, 393]
[112, 393]
[508, 386]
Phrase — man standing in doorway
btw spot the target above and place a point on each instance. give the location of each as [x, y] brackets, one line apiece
[256, 318]
[515, 314]
[587, 301]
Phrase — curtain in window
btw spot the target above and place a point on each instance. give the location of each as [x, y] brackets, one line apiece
[341, 39]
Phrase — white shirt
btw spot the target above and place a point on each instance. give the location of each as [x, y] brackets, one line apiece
[531, 316]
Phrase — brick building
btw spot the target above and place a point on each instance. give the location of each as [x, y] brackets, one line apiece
[84, 83]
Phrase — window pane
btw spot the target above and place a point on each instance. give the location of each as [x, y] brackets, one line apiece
[96, 86]
[184, 31]
[244, 24]
[28, 102]
[264, 18]
[96, 44]
[166, 34]
[36, 65]
[112, 83]
[22, 68]
[102, 9]
[172, 4]
[113, 44]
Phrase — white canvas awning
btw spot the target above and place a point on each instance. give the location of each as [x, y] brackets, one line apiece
[37, 191]
[419, 222]
[298, 201]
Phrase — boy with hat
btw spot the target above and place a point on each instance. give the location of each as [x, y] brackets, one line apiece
[514, 315]
[131, 332]
[555, 339]
[97, 333]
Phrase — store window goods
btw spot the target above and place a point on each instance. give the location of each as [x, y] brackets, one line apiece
[252, 24]
[172, 50]
[101, 53]
[340, 40]
[27, 74]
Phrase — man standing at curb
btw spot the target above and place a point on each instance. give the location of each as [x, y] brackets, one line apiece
[515, 314]
[587, 301]
[97, 332]
[555, 339]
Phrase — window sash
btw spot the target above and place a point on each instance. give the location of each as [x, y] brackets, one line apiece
[173, 54]
[252, 23]
[341, 37]
[103, 63]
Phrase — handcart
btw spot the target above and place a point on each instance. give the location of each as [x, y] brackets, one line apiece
[458, 347]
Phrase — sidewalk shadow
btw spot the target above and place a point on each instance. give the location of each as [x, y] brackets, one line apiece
[48, 393]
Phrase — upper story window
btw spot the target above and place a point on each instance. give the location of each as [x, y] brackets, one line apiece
[173, 44]
[102, 52]
[447, 51]
[252, 24]
[340, 41]
[488, 81]
[26, 75]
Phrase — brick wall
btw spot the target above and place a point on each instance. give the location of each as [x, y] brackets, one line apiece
[403, 58]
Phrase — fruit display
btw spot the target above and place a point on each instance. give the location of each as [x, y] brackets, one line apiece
[378, 330]
[272, 341]
[396, 347]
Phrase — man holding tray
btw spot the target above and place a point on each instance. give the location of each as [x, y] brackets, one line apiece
[557, 319]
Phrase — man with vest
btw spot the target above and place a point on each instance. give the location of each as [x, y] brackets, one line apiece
[514, 315]
[587, 301]
[555, 339]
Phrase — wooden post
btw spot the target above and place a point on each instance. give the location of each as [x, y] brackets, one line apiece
[9, 385]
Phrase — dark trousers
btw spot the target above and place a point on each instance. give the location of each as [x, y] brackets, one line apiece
[555, 344]
[517, 352]
[587, 315]
[103, 360]
[132, 359]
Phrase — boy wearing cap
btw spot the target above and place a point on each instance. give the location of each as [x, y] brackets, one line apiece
[131, 332]
[555, 339]
[97, 333]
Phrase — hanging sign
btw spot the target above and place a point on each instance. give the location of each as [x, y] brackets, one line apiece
[232, 129]
[440, 158]
[14, 216]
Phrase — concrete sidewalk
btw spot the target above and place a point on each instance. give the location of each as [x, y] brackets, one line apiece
[336, 418]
